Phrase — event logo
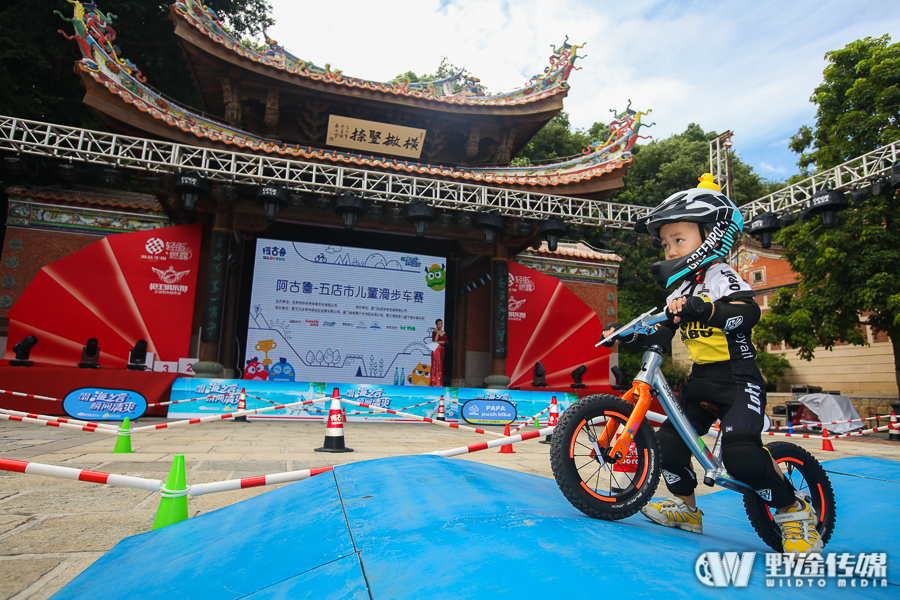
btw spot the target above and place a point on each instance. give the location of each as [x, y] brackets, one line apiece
[273, 253]
[157, 249]
[436, 278]
[155, 246]
[521, 283]
[372, 397]
[716, 569]
[312, 322]
[169, 278]
[170, 275]
[514, 306]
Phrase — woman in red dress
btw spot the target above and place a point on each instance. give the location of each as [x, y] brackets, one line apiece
[439, 337]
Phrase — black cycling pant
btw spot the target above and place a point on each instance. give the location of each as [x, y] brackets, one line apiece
[738, 390]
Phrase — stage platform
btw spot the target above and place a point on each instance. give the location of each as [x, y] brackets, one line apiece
[436, 528]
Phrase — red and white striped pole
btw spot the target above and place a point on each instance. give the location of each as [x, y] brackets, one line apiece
[554, 419]
[88, 428]
[21, 466]
[58, 419]
[334, 428]
[441, 416]
[259, 480]
[242, 405]
[893, 431]
[413, 417]
[494, 443]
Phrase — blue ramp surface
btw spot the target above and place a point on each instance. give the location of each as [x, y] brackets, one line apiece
[431, 527]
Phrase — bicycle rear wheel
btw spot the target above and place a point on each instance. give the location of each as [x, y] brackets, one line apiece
[595, 484]
[808, 477]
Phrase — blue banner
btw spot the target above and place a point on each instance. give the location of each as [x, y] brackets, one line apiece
[488, 412]
[101, 404]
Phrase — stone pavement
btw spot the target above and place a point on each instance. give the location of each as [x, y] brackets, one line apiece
[52, 529]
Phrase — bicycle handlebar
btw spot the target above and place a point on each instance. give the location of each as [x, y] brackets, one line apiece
[641, 325]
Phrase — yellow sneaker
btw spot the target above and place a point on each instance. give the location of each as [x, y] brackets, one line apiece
[674, 513]
[798, 530]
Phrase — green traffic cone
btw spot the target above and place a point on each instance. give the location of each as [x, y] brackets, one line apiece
[537, 424]
[173, 504]
[123, 442]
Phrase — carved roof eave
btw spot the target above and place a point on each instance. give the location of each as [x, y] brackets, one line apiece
[110, 99]
[196, 38]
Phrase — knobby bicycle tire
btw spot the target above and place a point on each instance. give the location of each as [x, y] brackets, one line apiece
[596, 487]
[809, 479]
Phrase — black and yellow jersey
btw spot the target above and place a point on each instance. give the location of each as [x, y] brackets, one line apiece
[713, 344]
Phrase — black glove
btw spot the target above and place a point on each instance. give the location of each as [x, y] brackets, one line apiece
[611, 342]
[694, 309]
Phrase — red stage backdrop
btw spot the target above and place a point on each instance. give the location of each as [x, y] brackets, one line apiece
[121, 289]
[551, 325]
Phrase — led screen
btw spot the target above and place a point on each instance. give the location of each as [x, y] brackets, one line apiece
[328, 313]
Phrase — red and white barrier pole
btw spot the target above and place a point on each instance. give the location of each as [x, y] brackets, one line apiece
[35, 396]
[418, 405]
[221, 417]
[423, 419]
[530, 420]
[831, 422]
[88, 428]
[494, 443]
[21, 466]
[57, 419]
[260, 480]
[334, 427]
[175, 402]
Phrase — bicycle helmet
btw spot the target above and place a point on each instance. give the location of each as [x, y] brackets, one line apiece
[720, 224]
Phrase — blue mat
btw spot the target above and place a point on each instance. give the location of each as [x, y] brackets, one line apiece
[425, 526]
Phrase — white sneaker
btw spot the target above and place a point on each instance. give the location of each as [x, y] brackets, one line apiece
[674, 513]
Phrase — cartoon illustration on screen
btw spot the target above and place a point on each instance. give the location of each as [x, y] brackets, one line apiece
[281, 371]
[436, 277]
[255, 370]
[420, 375]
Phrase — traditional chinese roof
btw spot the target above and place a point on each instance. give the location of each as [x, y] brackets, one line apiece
[130, 200]
[578, 250]
[120, 96]
[277, 59]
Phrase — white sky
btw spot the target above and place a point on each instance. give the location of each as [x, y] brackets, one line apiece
[746, 66]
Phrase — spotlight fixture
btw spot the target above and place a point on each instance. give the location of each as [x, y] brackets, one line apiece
[551, 230]
[13, 165]
[230, 193]
[396, 213]
[577, 375]
[322, 203]
[881, 187]
[895, 175]
[465, 220]
[90, 355]
[619, 377]
[827, 203]
[420, 214]
[273, 198]
[191, 186]
[68, 172]
[787, 219]
[858, 195]
[350, 206]
[491, 224]
[112, 177]
[376, 210]
[540, 376]
[763, 226]
[23, 352]
[445, 219]
[523, 228]
[138, 357]
[156, 183]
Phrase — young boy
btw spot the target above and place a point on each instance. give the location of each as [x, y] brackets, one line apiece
[715, 312]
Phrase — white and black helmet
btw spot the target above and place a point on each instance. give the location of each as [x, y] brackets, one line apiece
[720, 224]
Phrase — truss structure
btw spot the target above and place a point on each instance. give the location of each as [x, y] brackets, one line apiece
[112, 150]
[859, 172]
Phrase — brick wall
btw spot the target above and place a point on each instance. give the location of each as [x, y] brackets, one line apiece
[597, 296]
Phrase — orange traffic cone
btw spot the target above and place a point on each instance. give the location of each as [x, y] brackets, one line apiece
[507, 448]
[441, 416]
[826, 443]
[242, 405]
[554, 419]
[334, 429]
[893, 431]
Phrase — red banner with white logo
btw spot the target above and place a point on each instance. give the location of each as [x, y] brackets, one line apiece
[121, 289]
[549, 324]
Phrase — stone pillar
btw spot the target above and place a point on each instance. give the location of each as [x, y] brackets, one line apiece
[232, 295]
[214, 297]
[499, 316]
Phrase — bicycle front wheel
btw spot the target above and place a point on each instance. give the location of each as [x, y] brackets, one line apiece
[586, 475]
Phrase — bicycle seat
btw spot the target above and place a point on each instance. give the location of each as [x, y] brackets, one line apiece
[709, 406]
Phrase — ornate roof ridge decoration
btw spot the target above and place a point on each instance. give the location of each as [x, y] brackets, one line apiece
[578, 250]
[94, 34]
[146, 203]
[552, 81]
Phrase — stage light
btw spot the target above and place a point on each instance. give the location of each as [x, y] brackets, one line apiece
[465, 220]
[540, 376]
[230, 193]
[349, 206]
[895, 175]
[858, 195]
[322, 203]
[619, 377]
[421, 215]
[577, 375]
[376, 210]
[445, 220]
[763, 226]
[787, 219]
[156, 183]
[490, 224]
[551, 230]
[90, 355]
[523, 228]
[67, 172]
[881, 187]
[112, 177]
[191, 186]
[23, 352]
[138, 357]
[13, 165]
[827, 203]
[273, 198]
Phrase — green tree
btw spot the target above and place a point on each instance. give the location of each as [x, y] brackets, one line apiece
[858, 105]
[557, 140]
[36, 62]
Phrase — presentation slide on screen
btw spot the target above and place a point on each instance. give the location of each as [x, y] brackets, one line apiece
[321, 312]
